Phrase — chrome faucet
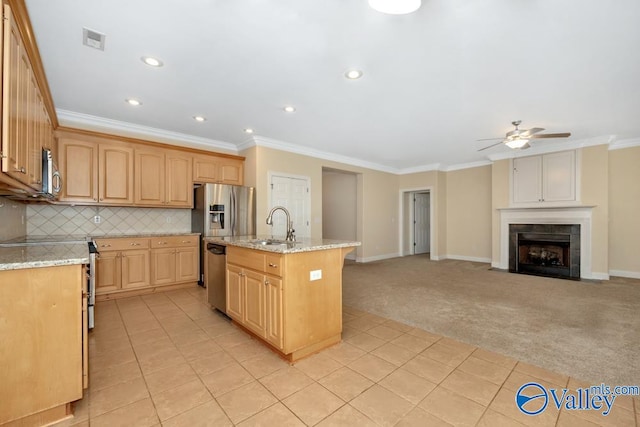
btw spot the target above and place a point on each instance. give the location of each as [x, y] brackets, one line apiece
[290, 236]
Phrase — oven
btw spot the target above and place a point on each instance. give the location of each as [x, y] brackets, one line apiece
[91, 284]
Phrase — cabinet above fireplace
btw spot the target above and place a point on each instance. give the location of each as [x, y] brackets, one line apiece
[545, 180]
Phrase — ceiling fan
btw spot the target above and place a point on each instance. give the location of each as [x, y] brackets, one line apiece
[519, 138]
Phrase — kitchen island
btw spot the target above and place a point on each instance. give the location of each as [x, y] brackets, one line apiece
[288, 294]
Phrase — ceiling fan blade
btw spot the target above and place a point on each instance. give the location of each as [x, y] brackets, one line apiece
[531, 131]
[492, 145]
[489, 139]
[551, 135]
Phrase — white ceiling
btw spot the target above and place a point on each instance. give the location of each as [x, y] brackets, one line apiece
[434, 81]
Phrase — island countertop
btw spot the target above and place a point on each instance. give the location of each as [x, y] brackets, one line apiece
[300, 245]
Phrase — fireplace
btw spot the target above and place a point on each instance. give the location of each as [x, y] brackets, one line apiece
[551, 250]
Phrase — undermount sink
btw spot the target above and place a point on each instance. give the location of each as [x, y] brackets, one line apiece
[271, 242]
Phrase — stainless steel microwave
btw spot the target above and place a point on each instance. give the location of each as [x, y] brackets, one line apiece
[51, 179]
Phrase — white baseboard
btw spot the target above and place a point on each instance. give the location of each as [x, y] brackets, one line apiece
[597, 276]
[377, 257]
[622, 273]
[466, 258]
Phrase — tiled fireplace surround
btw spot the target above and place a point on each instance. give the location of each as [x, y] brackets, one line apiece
[568, 215]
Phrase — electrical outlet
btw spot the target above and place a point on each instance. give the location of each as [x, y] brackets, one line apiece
[97, 219]
[168, 220]
[315, 275]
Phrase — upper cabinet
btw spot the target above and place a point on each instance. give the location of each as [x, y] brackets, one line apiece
[546, 179]
[163, 178]
[26, 124]
[218, 170]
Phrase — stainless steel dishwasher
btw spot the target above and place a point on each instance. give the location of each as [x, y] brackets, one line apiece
[215, 276]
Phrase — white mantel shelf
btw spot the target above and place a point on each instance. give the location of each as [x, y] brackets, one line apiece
[551, 208]
[573, 214]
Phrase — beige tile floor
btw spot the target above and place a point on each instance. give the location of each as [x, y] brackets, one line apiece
[167, 359]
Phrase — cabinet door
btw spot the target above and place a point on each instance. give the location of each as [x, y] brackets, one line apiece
[231, 172]
[274, 311]
[255, 292]
[15, 81]
[135, 268]
[163, 266]
[179, 181]
[187, 264]
[527, 179]
[559, 176]
[115, 174]
[79, 170]
[149, 177]
[235, 294]
[34, 134]
[205, 169]
[108, 272]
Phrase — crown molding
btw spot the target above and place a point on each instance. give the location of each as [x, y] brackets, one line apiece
[467, 165]
[71, 119]
[418, 169]
[262, 141]
[624, 143]
[553, 147]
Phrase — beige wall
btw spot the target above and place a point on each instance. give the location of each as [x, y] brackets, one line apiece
[339, 207]
[377, 197]
[499, 199]
[595, 192]
[12, 219]
[624, 210]
[469, 215]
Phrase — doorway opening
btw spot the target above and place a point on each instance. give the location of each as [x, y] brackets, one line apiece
[417, 225]
[340, 206]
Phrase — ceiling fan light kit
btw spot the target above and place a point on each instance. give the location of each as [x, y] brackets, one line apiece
[519, 138]
[395, 7]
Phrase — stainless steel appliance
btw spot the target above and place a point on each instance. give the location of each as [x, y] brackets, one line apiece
[222, 210]
[215, 276]
[91, 284]
[51, 180]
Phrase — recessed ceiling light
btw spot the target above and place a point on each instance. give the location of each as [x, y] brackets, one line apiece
[248, 130]
[154, 62]
[353, 74]
[199, 118]
[133, 101]
[395, 7]
[289, 109]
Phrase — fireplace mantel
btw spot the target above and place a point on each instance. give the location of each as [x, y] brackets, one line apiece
[557, 215]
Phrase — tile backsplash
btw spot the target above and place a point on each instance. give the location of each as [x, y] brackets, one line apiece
[49, 220]
[12, 219]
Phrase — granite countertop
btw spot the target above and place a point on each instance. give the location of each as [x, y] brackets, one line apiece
[301, 245]
[29, 256]
[141, 235]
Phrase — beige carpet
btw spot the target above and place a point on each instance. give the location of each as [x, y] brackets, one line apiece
[588, 330]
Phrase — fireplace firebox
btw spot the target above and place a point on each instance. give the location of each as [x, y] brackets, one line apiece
[551, 250]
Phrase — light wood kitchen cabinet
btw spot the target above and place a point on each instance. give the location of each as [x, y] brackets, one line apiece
[122, 264]
[220, 170]
[26, 125]
[96, 173]
[43, 359]
[547, 178]
[174, 259]
[235, 292]
[163, 178]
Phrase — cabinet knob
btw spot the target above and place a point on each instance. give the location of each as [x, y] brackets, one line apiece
[108, 245]
[266, 282]
[273, 265]
[134, 244]
[162, 243]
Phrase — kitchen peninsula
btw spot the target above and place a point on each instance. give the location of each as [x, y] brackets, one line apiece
[288, 294]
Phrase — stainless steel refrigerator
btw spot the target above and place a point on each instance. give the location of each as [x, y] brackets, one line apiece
[222, 210]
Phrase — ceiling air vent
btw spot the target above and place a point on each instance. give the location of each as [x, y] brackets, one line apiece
[93, 38]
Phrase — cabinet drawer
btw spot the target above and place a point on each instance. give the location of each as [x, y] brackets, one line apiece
[246, 258]
[174, 241]
[121, 244]
[273, 264]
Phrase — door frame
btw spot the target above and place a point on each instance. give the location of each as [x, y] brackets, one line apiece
[415, 194]
[307, 201]
[408, 216]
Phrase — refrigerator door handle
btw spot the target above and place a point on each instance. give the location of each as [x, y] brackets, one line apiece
[232, 208]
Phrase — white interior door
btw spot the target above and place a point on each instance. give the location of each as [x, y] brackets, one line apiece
[422, 220]
[293, 194]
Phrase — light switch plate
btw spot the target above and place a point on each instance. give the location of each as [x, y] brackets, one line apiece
[315, 275]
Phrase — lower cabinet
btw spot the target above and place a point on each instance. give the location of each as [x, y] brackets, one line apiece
[273, 296]
[43, 359]
[139, 264]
